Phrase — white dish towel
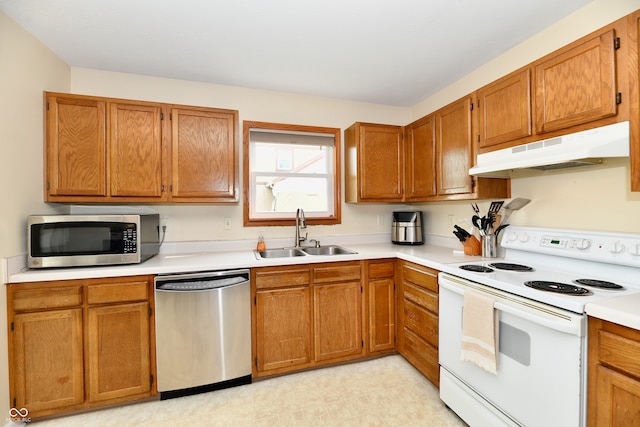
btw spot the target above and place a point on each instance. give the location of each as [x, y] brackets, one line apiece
[480, 332]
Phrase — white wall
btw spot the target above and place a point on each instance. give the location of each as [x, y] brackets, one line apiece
[596, 198]
[26, 69]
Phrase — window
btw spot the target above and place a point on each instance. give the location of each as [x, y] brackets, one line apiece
[287, 167]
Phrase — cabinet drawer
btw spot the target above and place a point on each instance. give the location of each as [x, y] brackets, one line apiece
[343, 273]
[421, 322]
[381, 269]
[118, 292]
[422, 355]
[425, 278]
[420, 297]
[282, 278]
[619, 352]
[46, 297]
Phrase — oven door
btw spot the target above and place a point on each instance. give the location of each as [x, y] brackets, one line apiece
[541, 373]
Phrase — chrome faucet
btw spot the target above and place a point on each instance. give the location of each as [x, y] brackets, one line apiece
[301, 222]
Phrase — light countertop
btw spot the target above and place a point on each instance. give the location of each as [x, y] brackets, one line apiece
[622, 310]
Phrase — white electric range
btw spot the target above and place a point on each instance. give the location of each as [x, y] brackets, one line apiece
[542, 333]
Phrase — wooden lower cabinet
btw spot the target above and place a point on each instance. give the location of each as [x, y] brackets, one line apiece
[418, 315]
[80, 343]
[306, 316]
[614, 375]
[381, 305]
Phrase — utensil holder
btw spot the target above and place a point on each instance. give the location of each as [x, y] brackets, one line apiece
[489, 246]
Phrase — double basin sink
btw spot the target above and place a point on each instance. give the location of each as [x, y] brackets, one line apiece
[304, 251]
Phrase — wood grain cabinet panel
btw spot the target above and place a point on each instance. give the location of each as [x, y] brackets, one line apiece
[504, 109]
[135, 147]
[118, 351]
[116, 150]
[204, 155]
[76, 149]
[283, 328]
[613, 376]
[46, 366]
[578, 85]
[420, 159]
[77, 344]
[453, 124]
[381, 306]
[418, 318]
[338, 320]
[374, 163]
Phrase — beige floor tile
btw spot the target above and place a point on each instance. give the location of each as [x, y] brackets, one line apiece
[384, 392]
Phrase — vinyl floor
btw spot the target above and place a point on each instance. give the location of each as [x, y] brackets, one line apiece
[386, 391]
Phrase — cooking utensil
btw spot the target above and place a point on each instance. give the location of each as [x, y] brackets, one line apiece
[475, 207]
[495, 207]
[462, 231]
[513, 205]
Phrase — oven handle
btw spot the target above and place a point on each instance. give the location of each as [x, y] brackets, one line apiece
[562, 322]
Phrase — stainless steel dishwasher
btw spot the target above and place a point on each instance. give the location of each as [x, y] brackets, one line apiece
[203, 331]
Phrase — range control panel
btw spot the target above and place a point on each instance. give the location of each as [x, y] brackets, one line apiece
[615, 248]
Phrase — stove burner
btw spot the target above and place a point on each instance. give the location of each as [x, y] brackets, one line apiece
[561, 288]
[598, 283]
[510, 267]
[476, 268]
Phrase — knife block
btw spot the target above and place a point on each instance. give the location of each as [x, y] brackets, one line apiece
[472, 246]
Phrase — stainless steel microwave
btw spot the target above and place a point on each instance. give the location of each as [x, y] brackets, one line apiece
[91, 240]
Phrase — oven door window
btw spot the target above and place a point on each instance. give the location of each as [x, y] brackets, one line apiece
[81, 238]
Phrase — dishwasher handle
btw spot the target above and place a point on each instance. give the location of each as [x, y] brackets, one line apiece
[200, 281]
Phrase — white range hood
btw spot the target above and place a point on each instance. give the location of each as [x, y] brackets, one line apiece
[576, 149]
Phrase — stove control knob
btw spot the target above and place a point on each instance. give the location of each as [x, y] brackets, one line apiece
[524, 238]
[583, 244]
[634, 249]
[513, 236]
[616, 248]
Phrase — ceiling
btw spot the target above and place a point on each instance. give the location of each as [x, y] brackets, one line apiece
[379, 51]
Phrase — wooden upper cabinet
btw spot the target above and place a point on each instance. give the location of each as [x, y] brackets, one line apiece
[577, 85]
[204, 155]
[116, 150]
[420, 159]
[75, 152]
[374, 163]
[504, 109]
[454, 147]
[135, 146]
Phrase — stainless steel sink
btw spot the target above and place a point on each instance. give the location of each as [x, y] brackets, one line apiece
[305, 251]
[281, 253]
[329, 250]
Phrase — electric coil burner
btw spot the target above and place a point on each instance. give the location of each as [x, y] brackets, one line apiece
[476, 268]
[602, 284]
[510, 266]
[561, 288]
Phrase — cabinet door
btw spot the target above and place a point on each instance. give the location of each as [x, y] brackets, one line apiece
[135, 146]
[578, 85]
[283, 328]
[504, 109]
[75, 146]
[381, 315]
[420, 159]
[338, 320]
[380, 162]
[618, 401]
[47, 360]
[454, 148]
[204, 155]
[118, 351]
